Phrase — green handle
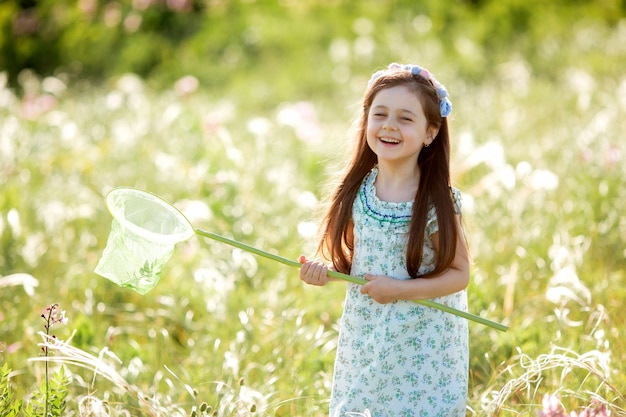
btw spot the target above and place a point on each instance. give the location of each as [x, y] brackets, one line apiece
[349, 278]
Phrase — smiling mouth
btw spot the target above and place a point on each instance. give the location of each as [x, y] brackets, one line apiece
[389, 140]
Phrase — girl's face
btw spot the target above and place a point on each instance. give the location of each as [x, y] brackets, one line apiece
[396, 126]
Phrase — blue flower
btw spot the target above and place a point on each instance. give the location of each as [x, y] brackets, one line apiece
[445, 107]
[415, 70]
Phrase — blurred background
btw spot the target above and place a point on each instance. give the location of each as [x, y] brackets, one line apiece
[239, 113]
[282, 50]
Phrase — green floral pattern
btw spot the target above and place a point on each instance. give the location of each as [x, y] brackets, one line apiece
[402, 358]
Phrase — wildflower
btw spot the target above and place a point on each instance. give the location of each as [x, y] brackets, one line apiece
[53, 315]
[186, 85]
[552, 408]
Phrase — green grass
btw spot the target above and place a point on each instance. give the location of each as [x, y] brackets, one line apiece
[540, 162]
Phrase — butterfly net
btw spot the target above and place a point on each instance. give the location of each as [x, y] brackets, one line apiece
[143, 235]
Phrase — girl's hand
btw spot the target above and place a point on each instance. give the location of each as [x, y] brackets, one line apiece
[313, 272]
[381, 288]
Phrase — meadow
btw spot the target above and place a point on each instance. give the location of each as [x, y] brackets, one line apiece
[539, 158]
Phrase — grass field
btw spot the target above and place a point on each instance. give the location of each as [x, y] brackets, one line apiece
[540, 162]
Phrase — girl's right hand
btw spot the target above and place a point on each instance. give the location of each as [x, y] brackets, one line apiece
[313, 272]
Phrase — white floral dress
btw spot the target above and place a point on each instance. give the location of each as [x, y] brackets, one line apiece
[401, 358]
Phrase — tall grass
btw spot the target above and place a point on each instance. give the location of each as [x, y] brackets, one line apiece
[541, 165]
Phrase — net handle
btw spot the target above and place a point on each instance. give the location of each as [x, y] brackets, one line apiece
[349, 278]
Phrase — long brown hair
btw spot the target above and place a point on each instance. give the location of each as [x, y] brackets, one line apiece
[336, 241]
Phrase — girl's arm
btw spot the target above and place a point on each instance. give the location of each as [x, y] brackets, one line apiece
[384, 289]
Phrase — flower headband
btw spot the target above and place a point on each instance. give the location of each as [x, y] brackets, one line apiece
[445, 106]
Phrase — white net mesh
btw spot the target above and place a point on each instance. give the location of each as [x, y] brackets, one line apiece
[143, 235]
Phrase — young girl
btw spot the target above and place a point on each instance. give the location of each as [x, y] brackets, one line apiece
[395, 220]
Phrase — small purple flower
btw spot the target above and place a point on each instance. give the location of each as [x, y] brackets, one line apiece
[53, 315]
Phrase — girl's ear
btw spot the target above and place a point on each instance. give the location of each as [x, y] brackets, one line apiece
[431, 134]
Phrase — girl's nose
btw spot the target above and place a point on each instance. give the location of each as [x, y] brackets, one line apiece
[388, 127]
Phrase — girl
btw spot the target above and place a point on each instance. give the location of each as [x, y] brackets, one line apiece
[395, 219]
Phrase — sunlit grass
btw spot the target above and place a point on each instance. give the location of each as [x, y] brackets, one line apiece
[541, 165]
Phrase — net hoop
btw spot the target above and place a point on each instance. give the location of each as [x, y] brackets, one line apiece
[118, 199]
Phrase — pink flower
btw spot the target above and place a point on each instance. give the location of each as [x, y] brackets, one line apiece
[54, 315]
[552, 408]
[180, 6]
[35, 106]
[186, 85]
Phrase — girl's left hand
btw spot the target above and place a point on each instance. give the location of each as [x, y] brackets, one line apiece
[313, 272]
[381, 288]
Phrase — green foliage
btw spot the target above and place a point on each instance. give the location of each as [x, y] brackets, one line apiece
[51, 397]
[9, 406]
[84, 336]
[219, 41]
